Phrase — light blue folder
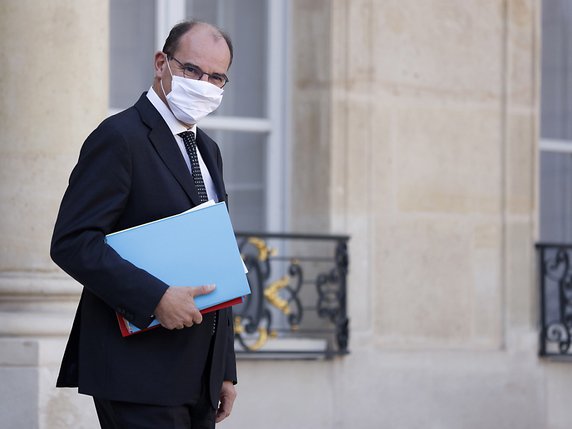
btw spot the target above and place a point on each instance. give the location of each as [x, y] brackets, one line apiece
[189, 249]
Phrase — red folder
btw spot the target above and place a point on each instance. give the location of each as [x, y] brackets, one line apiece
[126, 329]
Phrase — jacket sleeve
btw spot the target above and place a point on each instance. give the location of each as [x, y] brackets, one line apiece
[97, 193]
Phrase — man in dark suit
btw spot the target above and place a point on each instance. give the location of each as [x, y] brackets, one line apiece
[145, 163]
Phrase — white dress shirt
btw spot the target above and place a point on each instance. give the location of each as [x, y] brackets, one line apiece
[177, 127]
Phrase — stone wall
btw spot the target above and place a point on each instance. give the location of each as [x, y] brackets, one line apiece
[424, 118]
[433, 155]
[53, 59]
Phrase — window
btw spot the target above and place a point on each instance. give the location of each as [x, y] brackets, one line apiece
[250, 126]
[556, 123]
[132, 39]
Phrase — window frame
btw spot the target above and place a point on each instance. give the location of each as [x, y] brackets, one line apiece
[548, 145]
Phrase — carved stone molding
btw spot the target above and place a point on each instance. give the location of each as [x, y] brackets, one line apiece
[37, 303]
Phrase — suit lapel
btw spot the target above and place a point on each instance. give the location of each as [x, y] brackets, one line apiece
[166, 146]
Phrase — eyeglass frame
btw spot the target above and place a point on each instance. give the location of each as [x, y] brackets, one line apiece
[201, 72]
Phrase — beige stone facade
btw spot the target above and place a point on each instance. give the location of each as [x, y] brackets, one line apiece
[416, 133]
[54, 86]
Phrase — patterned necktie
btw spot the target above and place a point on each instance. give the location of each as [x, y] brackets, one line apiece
[191, 147]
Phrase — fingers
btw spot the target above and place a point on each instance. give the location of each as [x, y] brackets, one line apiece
[177, 309]
[227, 397]
[197, 317]
[202, 290]
[179, 324]
[221, 415]
[185, 319]
[194, 317]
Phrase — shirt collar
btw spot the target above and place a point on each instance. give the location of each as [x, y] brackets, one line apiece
[173, 123]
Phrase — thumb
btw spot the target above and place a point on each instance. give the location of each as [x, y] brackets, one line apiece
[202, 290]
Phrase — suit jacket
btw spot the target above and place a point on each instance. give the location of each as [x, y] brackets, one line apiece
[130, 171]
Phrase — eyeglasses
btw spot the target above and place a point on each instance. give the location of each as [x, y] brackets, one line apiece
[191, 71]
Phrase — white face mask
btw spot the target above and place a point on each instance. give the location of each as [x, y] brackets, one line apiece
[191, 100]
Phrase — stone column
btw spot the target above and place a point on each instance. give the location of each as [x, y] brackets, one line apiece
[54, 85]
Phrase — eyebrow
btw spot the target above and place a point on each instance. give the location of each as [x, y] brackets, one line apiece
[196, 66]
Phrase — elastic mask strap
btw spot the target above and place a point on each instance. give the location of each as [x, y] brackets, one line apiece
[170, 72]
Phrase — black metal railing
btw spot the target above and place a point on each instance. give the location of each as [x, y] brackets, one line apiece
[297, 308]
[555, 276]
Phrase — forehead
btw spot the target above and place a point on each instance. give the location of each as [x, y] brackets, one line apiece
[203, 46]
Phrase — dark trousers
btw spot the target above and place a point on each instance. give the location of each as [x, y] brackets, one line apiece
[127, 415]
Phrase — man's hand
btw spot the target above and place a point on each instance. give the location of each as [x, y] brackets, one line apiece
[227, 397]
[177, 308]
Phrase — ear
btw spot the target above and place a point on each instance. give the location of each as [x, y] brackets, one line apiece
[160, 64]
